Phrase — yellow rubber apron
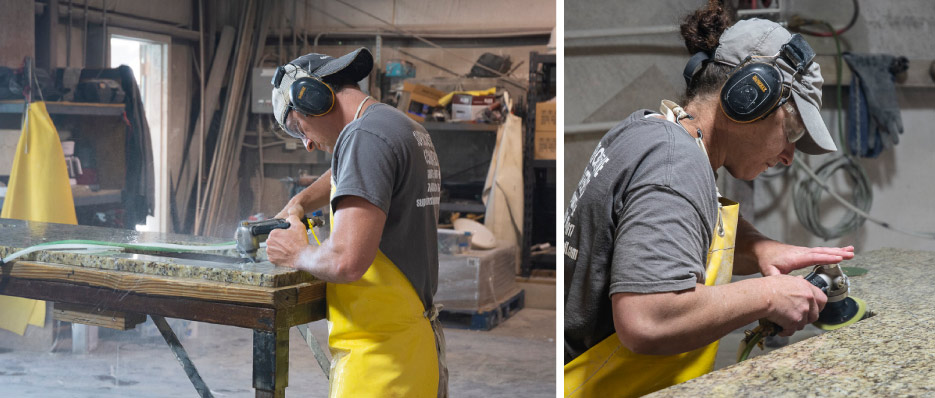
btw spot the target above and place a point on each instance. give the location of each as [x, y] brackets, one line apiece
[611, 370]
[383, 343]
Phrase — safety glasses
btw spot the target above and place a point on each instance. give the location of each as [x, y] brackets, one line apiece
[291, 126]
[792, 124]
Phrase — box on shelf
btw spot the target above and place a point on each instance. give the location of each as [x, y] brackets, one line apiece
[545, 130]
[477, 278]
[467, 107]
[453, 242]
[417, 100]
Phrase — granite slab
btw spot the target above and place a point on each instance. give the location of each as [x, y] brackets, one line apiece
[224, 266]
[891, 354]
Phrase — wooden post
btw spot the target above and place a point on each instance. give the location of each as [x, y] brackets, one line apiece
[271, 362]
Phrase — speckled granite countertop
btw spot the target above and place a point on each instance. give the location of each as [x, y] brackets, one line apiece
[16, 235]
[889, 355]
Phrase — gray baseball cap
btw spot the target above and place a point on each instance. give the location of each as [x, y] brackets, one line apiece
[760, 37]
[351, 67]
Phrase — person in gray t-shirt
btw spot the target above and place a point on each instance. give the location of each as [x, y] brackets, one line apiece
[381, 260]
[638, 226]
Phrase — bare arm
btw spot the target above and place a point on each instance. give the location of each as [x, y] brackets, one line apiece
[676, 322]
[313, 196]
[756, 253]
[345, 256]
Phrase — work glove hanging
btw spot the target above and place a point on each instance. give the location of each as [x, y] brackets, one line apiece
[874, 121]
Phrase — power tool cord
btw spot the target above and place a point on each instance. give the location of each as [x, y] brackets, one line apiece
[95, 245]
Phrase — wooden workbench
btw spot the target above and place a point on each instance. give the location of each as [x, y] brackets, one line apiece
[215, 288]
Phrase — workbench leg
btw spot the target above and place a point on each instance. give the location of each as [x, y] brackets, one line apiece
[270, 363]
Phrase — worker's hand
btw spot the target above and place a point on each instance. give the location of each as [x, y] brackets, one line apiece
[291, 209]
[780, 258]
[793, 302]
[284, 246]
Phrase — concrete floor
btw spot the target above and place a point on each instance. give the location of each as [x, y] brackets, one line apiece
[517, 358]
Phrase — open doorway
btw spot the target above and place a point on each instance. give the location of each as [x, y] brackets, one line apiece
[148, 56]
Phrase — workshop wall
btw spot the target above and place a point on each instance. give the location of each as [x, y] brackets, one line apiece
[421, 15]
[466, 29]
[176, 14]
[609, 78]
[17, 26]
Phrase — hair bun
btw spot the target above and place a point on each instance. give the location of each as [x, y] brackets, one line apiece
[702, 29]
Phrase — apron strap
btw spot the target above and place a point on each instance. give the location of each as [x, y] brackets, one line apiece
[675, 113]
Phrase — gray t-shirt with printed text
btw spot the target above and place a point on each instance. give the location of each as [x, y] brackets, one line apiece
[640, 221]
[388, 159]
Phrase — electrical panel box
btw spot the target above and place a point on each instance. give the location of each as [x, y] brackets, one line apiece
[262, 101]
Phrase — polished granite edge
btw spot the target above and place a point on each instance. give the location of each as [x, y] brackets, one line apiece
[16, 235]
[889, 354]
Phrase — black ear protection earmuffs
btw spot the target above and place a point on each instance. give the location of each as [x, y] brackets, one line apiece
[755, 88]
[308, 95]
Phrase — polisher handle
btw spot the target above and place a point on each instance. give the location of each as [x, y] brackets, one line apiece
[266, 226]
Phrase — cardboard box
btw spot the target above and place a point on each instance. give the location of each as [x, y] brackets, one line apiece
[477, 278]
[466, 107]
[418, 100]
[545, 130]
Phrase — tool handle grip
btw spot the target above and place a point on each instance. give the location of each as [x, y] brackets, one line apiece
[266, 226]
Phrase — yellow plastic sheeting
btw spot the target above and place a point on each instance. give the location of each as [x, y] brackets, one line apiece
[443, 101]
[503, 189]
[38, 191]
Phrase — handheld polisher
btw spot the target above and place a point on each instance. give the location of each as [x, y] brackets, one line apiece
[840, 310]
[249, 235]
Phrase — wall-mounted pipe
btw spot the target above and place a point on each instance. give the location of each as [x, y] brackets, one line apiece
[589, 128]
[620, 32]
[123, 21]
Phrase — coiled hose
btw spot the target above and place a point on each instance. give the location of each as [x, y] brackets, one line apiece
[806, 202]
[807, 192]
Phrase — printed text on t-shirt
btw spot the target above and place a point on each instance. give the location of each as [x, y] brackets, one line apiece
[595, 164]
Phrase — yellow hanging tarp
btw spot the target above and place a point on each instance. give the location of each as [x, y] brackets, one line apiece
[38, 191]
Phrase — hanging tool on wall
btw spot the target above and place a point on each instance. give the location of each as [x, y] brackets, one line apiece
[840, 311]
[874, 121]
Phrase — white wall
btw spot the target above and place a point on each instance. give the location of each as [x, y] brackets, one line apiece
[608, 81]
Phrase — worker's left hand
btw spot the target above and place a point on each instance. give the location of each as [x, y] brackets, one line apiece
[781, 258]
[284, 246]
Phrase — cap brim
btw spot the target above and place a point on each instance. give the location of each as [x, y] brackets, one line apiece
[353, 66]
[818, 140]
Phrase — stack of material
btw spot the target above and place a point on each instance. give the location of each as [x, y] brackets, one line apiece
[477, 279]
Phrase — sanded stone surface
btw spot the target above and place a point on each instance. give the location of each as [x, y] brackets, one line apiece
[16, 235]
[888, 355]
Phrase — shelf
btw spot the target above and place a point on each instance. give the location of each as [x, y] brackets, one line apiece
[462, 207]
[85, 197]
[67, 108]
[443, 126]
[543, 163]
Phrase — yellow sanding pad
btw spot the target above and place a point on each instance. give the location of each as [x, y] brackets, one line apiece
[861, 311]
